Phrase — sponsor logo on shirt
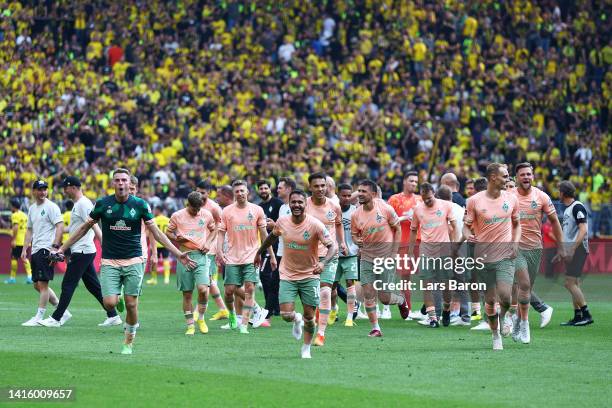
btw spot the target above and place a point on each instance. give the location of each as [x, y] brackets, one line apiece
[524, 215]
[374, 230]
[120, 226]
[242, 227]
[294, 245]
[496, 220]
[431, 224]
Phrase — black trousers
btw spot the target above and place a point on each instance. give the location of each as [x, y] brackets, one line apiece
[80, 266]
[270, 280]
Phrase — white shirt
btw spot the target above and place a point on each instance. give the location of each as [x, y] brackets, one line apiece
[458, 212]
[284, 210]
[80, 214]
[42, 219]
[285, 52]
[346, 224]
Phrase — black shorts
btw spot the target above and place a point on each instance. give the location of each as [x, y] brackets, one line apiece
[16, 252]
[163, 253]
[576, 265]
[41, 270]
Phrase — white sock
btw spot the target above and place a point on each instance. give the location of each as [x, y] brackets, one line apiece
[239, 319]
[40, 313]
[298, 317]
[375, 326]
[386, 308]
[305, 347]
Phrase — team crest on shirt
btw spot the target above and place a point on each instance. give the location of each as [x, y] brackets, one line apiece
[42, 212]
[132, 213]
[330, 215]
[306, 235]
[109, 210]
[505, 207]
[250, 217]
[534, 205]
[201, 223]
[439, 213]
[378, 218]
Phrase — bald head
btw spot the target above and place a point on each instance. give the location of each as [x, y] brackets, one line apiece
[450, 180]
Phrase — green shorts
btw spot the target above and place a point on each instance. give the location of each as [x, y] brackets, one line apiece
[347, 267]
[329, 273]
[113, 277]
[238, 274]
[368, 274]
[529, 259]
[434, 269]
[212, 267]
[187, 280]
[500, 271]
[307, 289]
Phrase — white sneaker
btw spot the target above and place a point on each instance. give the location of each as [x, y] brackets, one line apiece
[507, 325]
[460, 322]
[259, 318]
[65, 317]
[482, 326]
[417, 315]
[50, 322]
[516, 328]
[298, 326]
[386, 313]
[497, 341]
[454, 319]
[362, 315]
[424, 322]
[33, 322]
[225, 326]
[545, 317]
[111, 321]
[525, 335]
[306, 350]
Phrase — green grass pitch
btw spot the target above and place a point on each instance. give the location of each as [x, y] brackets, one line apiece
[410, 366]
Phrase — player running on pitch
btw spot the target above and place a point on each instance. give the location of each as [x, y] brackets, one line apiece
[193, 229]
[330, 214]
[300, 265]
[376, 230]
[533, 204]
[493, 215]
[438, 229]
[243, 223]
[122, 215]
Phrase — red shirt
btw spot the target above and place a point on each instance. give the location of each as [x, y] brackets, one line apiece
[404, 206]
[115, 53]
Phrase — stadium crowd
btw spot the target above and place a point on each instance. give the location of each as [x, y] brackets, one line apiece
[189, 90]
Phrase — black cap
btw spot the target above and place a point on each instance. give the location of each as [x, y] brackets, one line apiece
[40, 184]
[71, 181]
